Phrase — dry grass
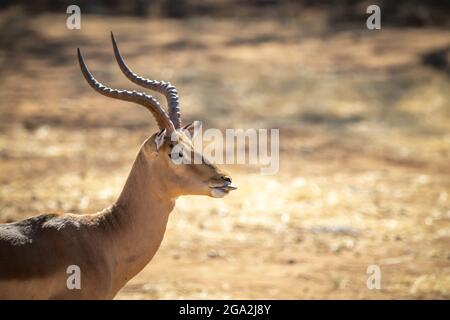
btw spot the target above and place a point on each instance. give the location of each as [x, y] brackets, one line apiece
[365, 150]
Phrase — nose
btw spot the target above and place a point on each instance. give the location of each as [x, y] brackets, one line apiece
[226, 178]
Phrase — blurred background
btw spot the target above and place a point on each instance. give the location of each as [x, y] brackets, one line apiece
[364, 120]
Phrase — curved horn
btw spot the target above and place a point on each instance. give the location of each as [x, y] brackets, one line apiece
[165, 88]
[133, 96]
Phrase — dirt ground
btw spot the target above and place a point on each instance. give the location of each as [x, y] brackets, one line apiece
[364, 173]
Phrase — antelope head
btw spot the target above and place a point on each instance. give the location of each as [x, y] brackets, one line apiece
[164, 150]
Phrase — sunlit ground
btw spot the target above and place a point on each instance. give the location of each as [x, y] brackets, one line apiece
[364, 161]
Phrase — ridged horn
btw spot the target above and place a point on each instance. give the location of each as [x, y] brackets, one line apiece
[140, 98]
[165, 88]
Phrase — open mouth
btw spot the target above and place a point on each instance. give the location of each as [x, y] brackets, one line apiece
[220, 191]
[225, 188]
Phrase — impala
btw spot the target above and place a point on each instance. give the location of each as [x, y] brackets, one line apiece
[110, 247]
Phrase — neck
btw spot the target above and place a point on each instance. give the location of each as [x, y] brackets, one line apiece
[137, 221]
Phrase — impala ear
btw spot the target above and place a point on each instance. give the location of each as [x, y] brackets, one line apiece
[159, 139]
[192, 129]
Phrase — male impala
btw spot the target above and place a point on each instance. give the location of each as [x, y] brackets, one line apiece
[112, 246]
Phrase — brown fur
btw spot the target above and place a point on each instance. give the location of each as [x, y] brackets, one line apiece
[111, 246]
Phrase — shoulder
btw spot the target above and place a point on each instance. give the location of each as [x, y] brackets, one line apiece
[19, 232]
[44, 221]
